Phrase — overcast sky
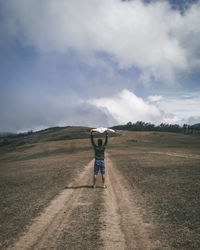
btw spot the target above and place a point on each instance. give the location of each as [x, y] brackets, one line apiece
[98, 63]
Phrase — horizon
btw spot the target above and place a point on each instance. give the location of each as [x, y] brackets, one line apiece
[10, 133]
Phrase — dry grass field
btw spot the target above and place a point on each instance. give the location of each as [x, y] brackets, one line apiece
[33, 170]
[164, 171]
[161, 172]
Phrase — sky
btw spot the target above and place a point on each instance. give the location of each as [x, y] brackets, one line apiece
[98, 63]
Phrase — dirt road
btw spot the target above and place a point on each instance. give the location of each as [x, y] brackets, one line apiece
[84, 218]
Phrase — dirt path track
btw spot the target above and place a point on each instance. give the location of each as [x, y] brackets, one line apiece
[62, 225]
[125, 227]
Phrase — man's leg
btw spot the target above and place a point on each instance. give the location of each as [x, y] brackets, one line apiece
[96, 171]
[103, 180]
[94, 181]
[103, 174]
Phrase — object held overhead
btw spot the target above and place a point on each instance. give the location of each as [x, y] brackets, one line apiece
[102, 130]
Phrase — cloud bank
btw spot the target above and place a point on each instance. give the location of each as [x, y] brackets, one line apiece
[126, 106]
[26, 111]
[156, 39]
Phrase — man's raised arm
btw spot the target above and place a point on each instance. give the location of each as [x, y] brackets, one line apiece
[92, 139]
[106, 140]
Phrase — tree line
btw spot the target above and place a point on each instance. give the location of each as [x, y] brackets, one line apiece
[163, 127]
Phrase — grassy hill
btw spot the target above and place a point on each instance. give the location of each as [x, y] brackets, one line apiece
[34, 167]
[50, 134]
[163, 170]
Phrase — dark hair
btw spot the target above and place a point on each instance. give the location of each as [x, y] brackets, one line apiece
[99, 142]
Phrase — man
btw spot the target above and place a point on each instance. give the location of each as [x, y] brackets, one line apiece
[99, 158]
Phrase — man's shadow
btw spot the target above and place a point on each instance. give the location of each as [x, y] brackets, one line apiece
[82, 186]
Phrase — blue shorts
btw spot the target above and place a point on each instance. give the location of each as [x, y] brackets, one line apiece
[99, 164]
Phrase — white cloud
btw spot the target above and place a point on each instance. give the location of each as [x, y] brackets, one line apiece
[182, 107]
[155, 98]
[126, 106]
[172, 119]
[160, 41]
[24, 111]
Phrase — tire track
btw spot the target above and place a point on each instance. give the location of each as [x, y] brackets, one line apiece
[47, 228]
[125, 228]
[84, 218]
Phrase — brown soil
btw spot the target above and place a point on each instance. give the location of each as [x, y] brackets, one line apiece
[189, 156]
[125, 228]
[152, 199]
[84, 218]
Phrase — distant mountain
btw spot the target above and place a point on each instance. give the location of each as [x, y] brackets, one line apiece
[197, 125]
[3, 134]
